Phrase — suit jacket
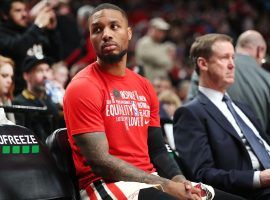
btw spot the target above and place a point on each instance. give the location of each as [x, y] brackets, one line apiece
[210, 149]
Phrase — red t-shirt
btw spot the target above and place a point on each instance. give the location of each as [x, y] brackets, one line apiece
[121, 106]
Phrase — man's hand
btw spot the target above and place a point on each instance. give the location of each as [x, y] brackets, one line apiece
[187, 184]
[46, 18]
[265, 178]
[179, 191]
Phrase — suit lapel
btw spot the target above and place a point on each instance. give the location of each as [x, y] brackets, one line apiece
[217, 115]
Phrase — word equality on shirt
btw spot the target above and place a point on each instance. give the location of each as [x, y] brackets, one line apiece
[17, 139]
[116, 110]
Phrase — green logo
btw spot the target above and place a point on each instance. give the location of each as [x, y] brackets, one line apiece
[116, 94]
[16, 149]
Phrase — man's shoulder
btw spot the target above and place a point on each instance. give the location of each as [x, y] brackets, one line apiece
[247, 66]
[192, 106]
[85, 75]
[198, 99]
[4, 31]
[245, 62]
[18, 99]
[135, 75]
[85, 81]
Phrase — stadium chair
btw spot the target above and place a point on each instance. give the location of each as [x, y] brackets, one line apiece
[27, 169]
[61, 151]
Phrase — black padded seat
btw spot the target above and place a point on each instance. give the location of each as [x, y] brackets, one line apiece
[27, 169]
[60, 149]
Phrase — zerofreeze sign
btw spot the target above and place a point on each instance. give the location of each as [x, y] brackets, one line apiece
[18, 144]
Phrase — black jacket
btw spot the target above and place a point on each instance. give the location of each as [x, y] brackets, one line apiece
[42, 123]
[17, 42]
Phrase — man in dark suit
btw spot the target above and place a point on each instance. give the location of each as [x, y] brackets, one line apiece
[211, 142]
[252, 82]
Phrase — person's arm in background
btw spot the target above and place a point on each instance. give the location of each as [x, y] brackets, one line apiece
[53, 46]
[9, 42]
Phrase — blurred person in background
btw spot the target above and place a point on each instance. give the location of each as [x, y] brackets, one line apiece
[36, 73]
[56, 84]
[84, 54]
[19, 36]
[169, 102]
[66, 23]
[252, 82]
[6, 84]
[182, 89]
[152, 53]
[162, 83]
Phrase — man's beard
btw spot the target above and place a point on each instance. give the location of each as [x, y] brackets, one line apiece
[39, 89]
[112, 58]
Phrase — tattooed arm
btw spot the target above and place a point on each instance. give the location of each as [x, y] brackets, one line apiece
[94, 148]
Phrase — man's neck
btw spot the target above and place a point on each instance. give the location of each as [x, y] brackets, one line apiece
[212, 86]
[116, 69]
[36, 94]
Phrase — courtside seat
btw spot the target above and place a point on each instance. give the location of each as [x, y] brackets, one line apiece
[27, 169]
[61, 151]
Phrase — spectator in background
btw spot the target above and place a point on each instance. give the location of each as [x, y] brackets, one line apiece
[6, 84]
[132, 64]
[35, 73]
[152, 53]
[182, 89]
[84, 54]
[252, 83]
[169, 102]
[19, 38]
[56, 84]
[162, 83]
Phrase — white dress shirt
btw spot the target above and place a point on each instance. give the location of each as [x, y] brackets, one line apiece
[216, 98]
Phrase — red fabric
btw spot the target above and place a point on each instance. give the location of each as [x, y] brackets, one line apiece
[116, 191]
[91, 193]
[122, 107]
[90, 55]
[78, 57]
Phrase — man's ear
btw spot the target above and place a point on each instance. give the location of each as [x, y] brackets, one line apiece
[202, 64]
[260, 53]
[129, 33]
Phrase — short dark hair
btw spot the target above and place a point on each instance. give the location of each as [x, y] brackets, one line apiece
[5, 6]
[109, 6]
[202, 46]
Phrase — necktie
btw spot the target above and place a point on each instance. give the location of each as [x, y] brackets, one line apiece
[255, 143]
